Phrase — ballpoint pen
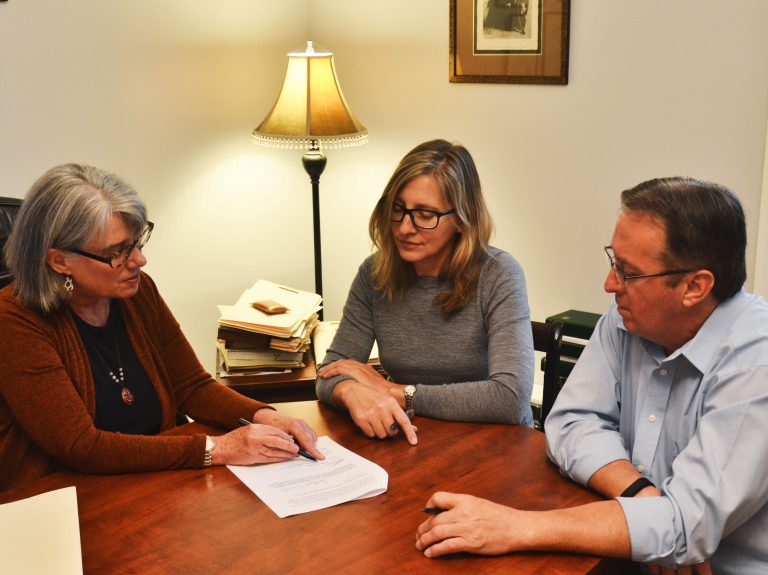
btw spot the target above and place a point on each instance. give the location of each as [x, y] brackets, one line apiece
[433, 510]
[395, 425]
[303, 453]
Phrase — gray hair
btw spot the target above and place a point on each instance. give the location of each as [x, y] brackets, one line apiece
[64, 208]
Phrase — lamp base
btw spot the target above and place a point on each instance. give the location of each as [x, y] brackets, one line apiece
[314, 162]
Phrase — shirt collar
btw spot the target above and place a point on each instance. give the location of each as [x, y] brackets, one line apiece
[700, 350]
[703, 347]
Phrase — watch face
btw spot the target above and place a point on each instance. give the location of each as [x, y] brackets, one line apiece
[209, 443]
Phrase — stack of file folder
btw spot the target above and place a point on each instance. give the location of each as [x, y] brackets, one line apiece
[252, 341]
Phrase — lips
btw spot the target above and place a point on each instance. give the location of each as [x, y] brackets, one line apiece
[408, 245]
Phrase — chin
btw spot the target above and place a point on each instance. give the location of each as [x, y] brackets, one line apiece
[127, 291]
[408, 256]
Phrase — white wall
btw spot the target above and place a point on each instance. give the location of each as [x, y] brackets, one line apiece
[166, 94]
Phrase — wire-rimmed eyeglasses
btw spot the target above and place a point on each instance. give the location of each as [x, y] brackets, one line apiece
[624, 277]
[121, 256]
[421, 218]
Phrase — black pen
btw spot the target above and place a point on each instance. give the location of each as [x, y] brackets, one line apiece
[307, 454]
[395, 425]
[433, 510]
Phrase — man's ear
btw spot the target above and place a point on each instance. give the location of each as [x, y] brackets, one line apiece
[57, 261]
[698, 287]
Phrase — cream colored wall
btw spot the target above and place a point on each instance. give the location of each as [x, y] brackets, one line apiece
[166, 94]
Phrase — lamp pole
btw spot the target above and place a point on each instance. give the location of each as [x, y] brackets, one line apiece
[314, 163]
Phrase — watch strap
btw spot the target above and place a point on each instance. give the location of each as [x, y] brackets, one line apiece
[637, 486]
[210, 445]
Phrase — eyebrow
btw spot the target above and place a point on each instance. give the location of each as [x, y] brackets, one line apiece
[626, 265]
[114, 247]
[418, 206]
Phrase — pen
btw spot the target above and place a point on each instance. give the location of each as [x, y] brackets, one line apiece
[433, 510]
[303, 453]
[395, 425]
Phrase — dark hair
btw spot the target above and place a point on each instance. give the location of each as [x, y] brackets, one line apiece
[704, 225]
[453, 170]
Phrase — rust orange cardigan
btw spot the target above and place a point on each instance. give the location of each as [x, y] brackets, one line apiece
[47, 402]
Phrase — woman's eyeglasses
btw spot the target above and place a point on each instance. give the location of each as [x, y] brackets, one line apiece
[121, 256]
[420, 218]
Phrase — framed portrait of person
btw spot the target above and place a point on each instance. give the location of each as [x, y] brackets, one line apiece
[509, 41]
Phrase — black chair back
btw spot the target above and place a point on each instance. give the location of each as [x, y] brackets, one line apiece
[9, 208]
[547, 338]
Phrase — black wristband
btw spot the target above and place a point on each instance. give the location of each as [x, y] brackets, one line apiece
[637, 486]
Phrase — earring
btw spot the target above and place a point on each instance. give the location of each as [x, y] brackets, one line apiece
[69, 285]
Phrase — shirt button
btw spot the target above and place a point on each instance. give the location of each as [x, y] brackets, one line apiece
[663, 372]
[651, 418]
[640, 468]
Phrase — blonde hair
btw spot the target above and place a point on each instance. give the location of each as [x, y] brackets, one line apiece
[452, 168]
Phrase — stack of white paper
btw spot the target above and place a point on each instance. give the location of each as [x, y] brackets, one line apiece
[249, 338]
[302, 306]
[236, 358]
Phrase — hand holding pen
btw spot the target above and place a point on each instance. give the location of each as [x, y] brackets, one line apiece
[396, 424]
[257, 443]
[374, 403]
[297, 430]
[242, 421]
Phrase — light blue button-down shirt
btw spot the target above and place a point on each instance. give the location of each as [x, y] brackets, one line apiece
[694, 422]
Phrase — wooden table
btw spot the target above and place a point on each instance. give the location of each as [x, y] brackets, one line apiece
[207, 521]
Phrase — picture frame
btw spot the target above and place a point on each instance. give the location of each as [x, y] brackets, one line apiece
[509, 41]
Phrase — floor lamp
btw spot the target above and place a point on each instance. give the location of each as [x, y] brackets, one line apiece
[311, 114]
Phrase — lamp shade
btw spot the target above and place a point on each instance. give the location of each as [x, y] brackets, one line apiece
[310, 112]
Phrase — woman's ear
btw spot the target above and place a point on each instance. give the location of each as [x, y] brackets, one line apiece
[57, 261]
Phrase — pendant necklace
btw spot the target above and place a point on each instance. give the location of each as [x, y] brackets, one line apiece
[126, 394]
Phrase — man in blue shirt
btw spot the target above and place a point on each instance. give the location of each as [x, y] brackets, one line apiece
[666, 412]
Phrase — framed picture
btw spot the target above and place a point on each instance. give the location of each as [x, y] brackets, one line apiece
[509, 41]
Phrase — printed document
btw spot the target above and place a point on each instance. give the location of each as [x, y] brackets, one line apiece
[301, 485]
[41, 534]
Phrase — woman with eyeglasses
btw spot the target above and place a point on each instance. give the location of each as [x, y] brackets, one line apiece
[448, 312]
[93, 365]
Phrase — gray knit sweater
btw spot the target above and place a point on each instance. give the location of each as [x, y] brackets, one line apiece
[474, 366]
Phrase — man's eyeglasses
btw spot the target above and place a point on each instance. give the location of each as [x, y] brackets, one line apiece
[420, 218]
[121, 256]
[624, 277]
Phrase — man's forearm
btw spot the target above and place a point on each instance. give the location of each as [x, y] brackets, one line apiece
[612, 479]
[596, 529]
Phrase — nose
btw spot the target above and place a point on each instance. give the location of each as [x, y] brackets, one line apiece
[136, 259]
[612, 283]
[407, 221]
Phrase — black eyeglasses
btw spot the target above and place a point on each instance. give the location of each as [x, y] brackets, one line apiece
[420, 218]
[624, 277]
[121, 256]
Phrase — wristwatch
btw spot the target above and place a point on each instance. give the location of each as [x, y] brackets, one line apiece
[637, 486]
[409, 391]
[210, 445]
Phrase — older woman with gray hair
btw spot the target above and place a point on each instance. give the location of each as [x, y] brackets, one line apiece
[94, 365]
